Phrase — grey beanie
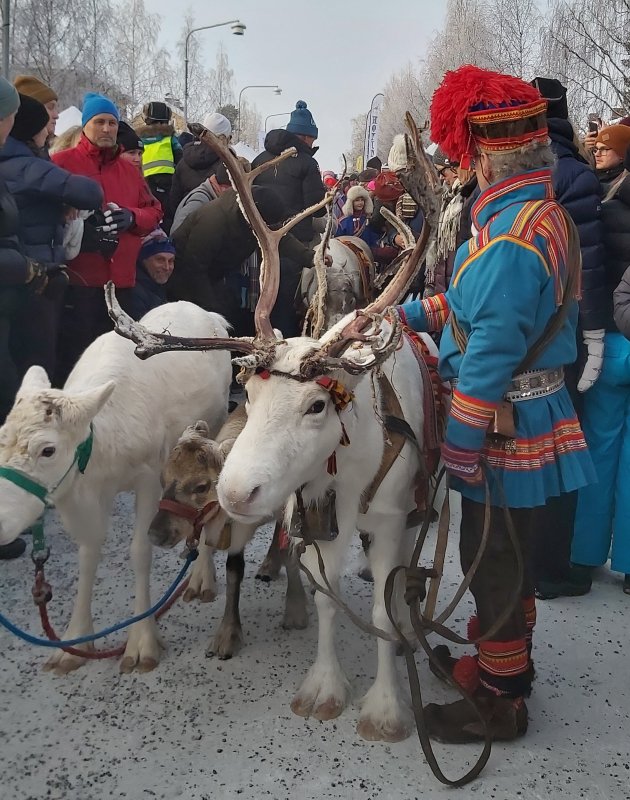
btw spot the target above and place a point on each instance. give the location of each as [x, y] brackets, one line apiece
[9, 98]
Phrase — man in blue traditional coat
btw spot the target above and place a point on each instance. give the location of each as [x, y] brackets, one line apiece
[512, 422]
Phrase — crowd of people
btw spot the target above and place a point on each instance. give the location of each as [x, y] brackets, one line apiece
[154, 211]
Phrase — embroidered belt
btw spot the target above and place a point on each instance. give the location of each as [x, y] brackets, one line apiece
[535, 383]
[530, 384]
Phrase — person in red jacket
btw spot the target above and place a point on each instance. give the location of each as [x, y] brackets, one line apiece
[112, 240]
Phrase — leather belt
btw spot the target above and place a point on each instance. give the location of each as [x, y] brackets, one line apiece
[535, 383]
[530, 384]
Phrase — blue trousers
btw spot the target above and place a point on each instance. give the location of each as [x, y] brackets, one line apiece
[603, 511]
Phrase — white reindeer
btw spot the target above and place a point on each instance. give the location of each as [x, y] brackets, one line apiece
[137, 410]
[300, 415]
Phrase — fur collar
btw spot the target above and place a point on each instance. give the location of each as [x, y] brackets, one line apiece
[158, 129]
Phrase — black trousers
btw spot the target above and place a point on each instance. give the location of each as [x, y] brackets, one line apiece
[83, 319]
[496, 576]
[9, 378]
[553, 536]
[34, 335]
[284, 315]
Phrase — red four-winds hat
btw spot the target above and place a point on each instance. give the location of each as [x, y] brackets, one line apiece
[475, 110]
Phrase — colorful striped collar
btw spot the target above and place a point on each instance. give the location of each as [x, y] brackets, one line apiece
[535, 185]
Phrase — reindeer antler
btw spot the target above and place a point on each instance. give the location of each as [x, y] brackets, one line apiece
[150, 344]
[268, 239]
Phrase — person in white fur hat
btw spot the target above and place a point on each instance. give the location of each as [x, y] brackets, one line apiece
[357, 210]
[199, 161]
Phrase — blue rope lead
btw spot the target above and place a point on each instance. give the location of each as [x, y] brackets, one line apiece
[27, 637]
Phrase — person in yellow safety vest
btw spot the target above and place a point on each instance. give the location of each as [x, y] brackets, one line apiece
[162, 151]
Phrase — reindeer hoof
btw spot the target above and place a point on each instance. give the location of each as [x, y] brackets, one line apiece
[264, 578]
[329, 709]
[189, 595]
[208, 596]
[147, 665]
[127, 665]
[227, 643]
[295, 620]
[373, 732]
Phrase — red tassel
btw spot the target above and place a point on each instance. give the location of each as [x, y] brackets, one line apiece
[466, 673]
[472, 629]
[283, 539]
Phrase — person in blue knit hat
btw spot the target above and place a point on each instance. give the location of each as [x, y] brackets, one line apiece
[302, 123]
[298, 181]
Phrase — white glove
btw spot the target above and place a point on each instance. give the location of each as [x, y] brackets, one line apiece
[594, 341]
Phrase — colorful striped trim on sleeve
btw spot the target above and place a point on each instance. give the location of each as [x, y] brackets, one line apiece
[437, 312]
[471, 411]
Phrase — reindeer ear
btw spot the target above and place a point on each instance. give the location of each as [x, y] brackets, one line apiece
[224, 448]
[202, 427]
[35, 378]
[84, 406]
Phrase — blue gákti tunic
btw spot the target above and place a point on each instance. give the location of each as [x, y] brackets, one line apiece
[507, 282]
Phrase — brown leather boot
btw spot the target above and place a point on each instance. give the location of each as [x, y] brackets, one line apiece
[457, 723]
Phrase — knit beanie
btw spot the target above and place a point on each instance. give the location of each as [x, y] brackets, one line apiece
[31, 118]
[33, 87]
[156, 112]
[269, 204]
[397, 158]
[302, 121]
[617, 137]
[9, 99]
[387, 186]
[127, 138]
[217, 124]
[375, 163]
[94, 104]
[556, 96]
[154, 245]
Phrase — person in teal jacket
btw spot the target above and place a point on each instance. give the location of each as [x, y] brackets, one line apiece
[508, 281]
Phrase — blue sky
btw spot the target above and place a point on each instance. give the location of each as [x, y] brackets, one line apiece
[334, 55]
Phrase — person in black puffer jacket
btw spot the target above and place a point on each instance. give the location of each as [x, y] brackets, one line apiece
[198, 162]
[41, 190]
[299, 183]
[211, 245]
[578, 189]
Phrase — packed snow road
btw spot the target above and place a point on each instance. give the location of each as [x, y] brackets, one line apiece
[199, 728]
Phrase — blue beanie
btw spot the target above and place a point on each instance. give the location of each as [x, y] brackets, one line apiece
[94, 104]
[302, 121]
[154, 246]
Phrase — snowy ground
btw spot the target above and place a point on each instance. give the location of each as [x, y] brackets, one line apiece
[198, 728]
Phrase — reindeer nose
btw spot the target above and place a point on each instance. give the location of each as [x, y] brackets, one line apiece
[240, 501]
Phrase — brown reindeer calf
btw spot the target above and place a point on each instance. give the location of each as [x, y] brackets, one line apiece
[189, 504]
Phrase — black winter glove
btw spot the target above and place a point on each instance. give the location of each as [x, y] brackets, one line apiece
[95, 240]
[57, 282]
[118, 220]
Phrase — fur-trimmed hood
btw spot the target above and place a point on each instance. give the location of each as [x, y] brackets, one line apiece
[354, 192]
[157, 129]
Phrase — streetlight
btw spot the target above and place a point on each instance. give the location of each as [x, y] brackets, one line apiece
[283, 114]
[238, 29]
[276, 90]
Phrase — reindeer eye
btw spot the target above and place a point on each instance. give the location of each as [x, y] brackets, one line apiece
[201, 489]
[317, 407]
[47, 452]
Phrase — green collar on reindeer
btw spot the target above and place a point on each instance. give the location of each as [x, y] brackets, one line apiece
[81, 459]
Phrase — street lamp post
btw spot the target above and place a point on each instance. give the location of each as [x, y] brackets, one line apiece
[276, 90]
[238, 29]
[283, 114]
